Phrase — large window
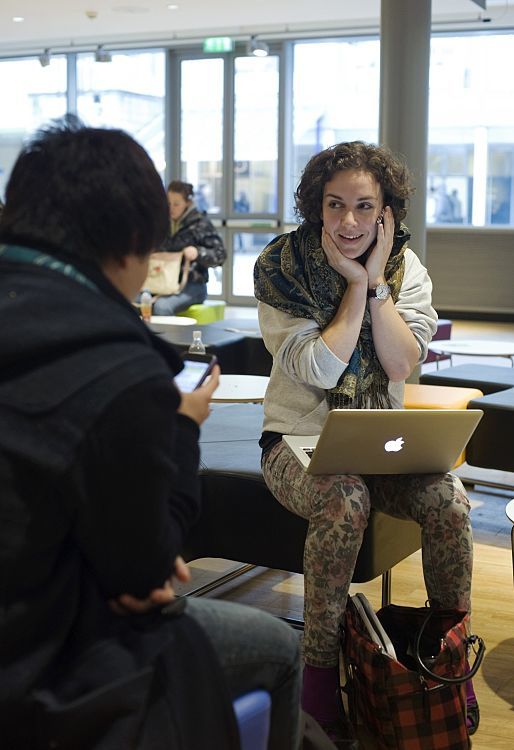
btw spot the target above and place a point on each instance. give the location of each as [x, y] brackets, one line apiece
[246, 247]
[241, 129]
[335, 98]
[471, 130]
[126, 93]
[256, 96]
[201, 129]
[31, 95]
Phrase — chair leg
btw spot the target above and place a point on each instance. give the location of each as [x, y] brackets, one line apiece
[386, 588]
[512, 544]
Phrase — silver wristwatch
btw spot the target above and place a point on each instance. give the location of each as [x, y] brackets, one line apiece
[381, 291]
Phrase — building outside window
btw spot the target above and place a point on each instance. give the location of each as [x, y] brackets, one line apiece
[31, 95]
[335, 99]
[471, 130]
[256, 157]
[126, 93]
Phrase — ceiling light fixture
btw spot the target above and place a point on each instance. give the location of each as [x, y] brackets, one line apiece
[44, 58]
[101, 55]
[257, 47]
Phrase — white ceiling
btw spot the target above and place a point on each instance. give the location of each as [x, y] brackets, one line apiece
[64, 24]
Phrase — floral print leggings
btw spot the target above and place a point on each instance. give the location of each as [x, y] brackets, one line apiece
[337, 508]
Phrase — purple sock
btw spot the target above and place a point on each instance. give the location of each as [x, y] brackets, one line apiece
[473, 713]
[470, 692]
[320, 686]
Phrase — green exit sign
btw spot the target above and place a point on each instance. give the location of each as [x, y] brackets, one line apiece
[218, 44]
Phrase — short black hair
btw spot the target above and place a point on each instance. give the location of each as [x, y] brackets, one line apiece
[91, 192]
[388, 169]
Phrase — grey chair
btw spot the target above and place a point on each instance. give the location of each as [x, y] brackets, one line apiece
[242, 521]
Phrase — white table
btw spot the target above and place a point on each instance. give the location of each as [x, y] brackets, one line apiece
[240, 389]
[172, 320]
[474, 348]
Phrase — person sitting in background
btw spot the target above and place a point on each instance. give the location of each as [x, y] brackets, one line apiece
[191, 233]
[99, 474]
[345, 310]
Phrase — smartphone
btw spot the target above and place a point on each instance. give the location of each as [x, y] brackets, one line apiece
[196, 368]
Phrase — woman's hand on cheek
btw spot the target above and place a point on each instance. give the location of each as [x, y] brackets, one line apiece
[376, 263]
[350, 269]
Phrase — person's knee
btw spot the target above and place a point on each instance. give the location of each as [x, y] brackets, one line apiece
[237, 630]
[446, 502]
[346, 498]
[164, 306]
[274, 640]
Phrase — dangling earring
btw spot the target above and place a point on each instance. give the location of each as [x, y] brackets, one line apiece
[379, 220]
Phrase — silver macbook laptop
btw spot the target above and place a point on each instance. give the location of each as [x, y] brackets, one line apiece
[372, 624]
[386, 441]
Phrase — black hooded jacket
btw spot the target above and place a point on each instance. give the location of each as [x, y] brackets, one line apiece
[99, 485]
[196, 229]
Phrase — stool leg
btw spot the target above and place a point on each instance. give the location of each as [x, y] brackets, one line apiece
[512, 544]
[386, 588]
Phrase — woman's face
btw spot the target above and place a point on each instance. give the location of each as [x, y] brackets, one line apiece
[352, 203]
[177, 204]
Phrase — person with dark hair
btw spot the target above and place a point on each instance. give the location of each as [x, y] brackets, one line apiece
[345, 310]
[193, 234]
[99, 474]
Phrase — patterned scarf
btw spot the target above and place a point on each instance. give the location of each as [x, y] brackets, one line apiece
[292, 274]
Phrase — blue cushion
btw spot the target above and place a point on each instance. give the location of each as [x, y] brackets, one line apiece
[253, 712]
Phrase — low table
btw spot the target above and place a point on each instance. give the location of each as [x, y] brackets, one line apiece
[255, 358]
[227, 346]
[473, 348]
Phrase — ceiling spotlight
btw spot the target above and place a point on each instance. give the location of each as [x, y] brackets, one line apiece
[101, 55]
[257, 47]
[44, 58]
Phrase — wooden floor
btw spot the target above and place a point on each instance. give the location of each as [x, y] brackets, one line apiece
[281, 593]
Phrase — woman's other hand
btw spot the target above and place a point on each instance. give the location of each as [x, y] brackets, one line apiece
[376, 263]
[196, 404]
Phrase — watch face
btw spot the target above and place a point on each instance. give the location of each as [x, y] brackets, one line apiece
[383, 291]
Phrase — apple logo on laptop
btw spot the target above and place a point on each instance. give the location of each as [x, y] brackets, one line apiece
[393, 446]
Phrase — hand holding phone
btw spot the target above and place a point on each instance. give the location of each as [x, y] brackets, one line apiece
[197, 367]
[197, 404]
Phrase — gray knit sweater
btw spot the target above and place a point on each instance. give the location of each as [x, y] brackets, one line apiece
[304, 367]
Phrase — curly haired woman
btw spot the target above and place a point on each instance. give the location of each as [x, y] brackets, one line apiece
[345, 310]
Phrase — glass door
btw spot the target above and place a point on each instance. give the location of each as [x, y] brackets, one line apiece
[228, 137]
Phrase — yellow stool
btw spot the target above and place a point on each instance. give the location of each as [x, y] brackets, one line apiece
[439, 397]
[208, 312]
